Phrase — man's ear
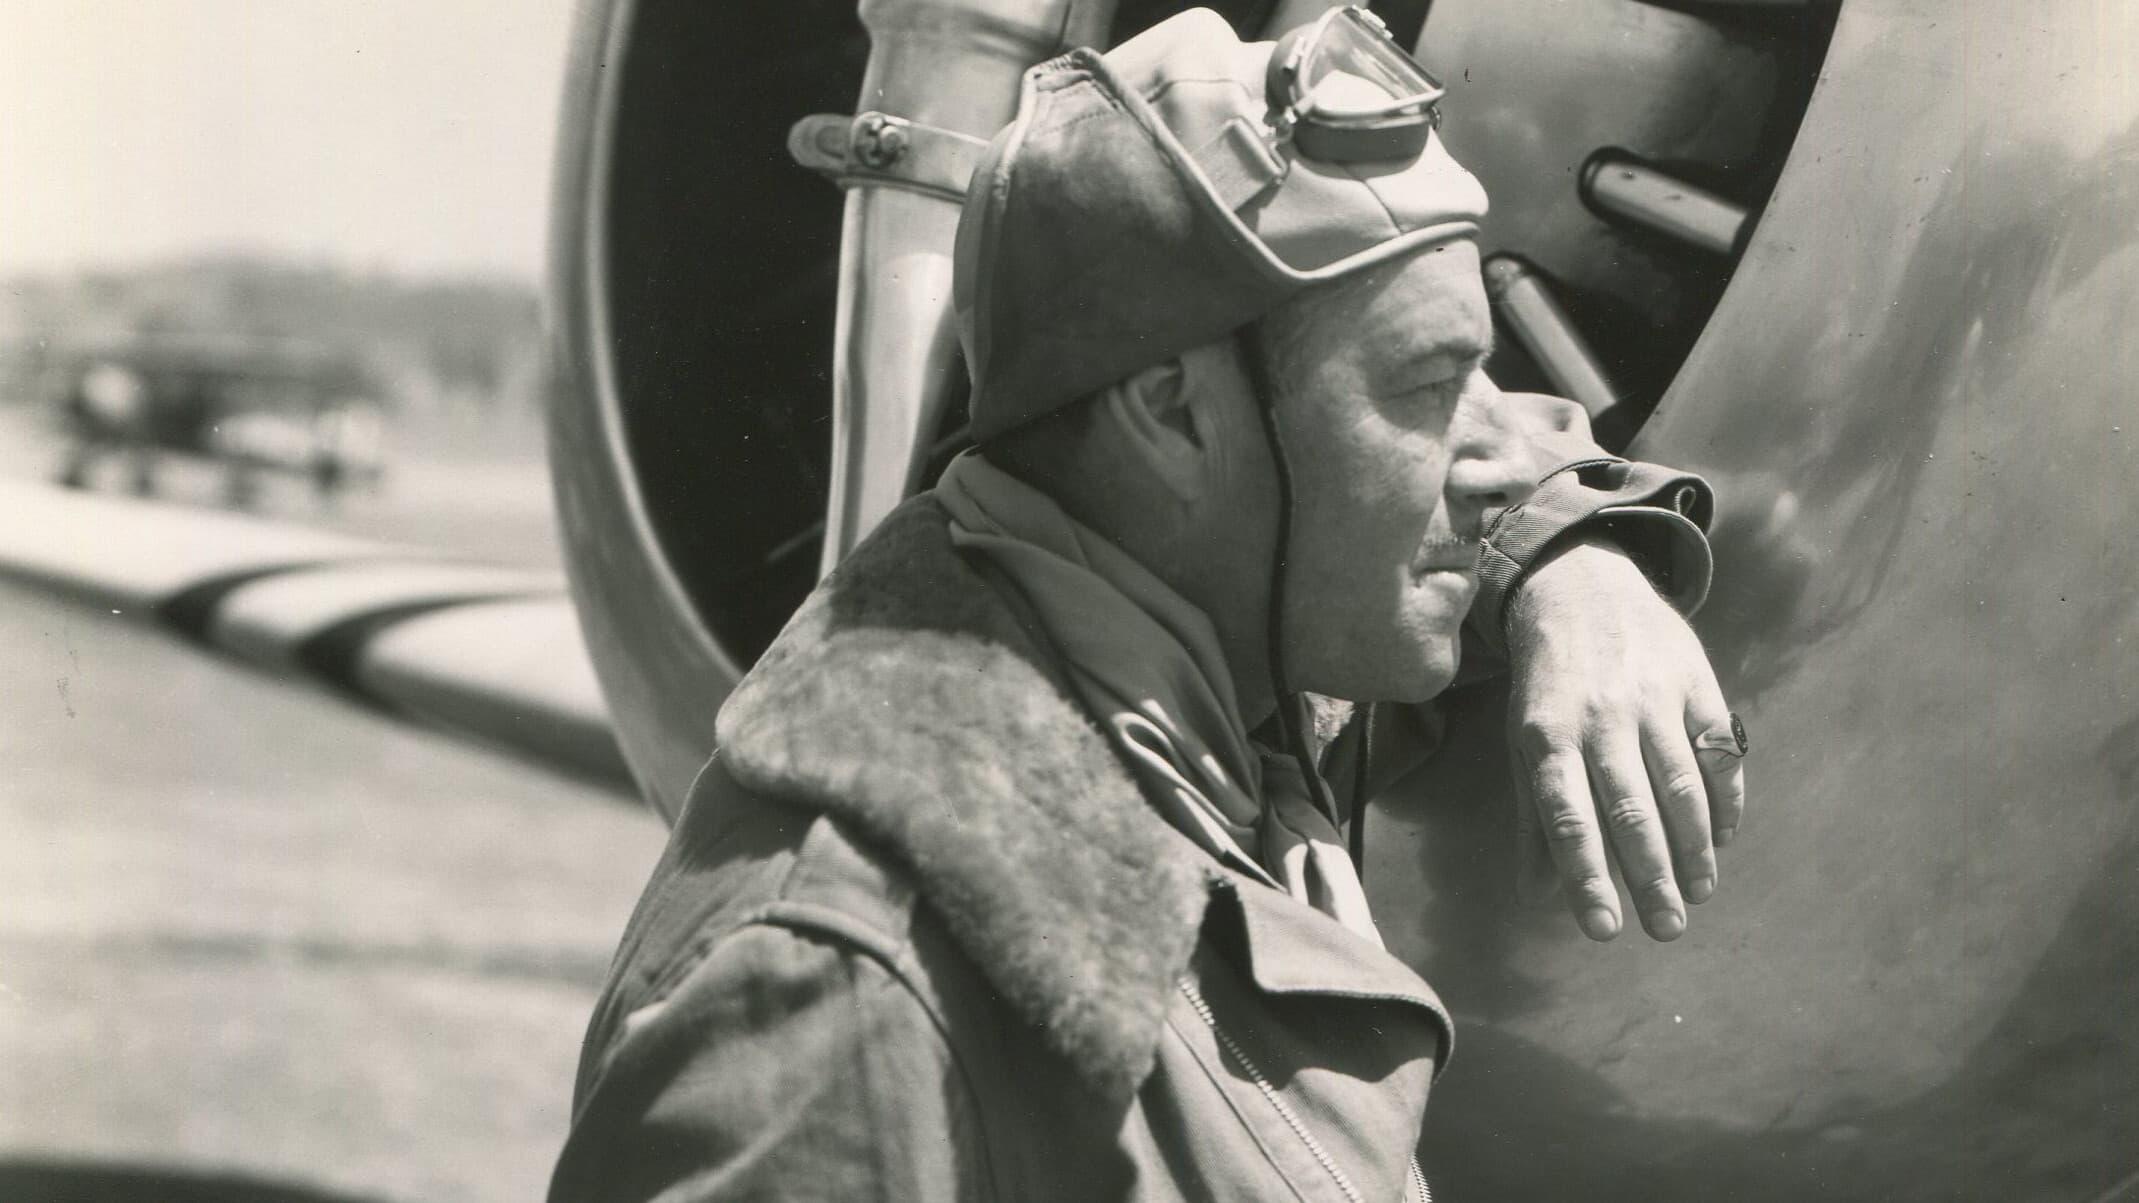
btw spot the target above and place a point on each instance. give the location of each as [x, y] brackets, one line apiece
[1163, 416]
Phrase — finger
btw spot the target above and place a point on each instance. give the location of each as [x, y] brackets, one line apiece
[1559, 792]
[1682, 799]
[1724, 775]
[1722, 771]
[1621, 780]
[1535, 881]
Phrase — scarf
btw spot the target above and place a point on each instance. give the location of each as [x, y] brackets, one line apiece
[1147, 666]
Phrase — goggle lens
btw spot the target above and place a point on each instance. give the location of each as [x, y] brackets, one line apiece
[1356, 71]
[1349, 92]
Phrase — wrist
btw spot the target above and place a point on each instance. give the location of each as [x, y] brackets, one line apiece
[1573, 573]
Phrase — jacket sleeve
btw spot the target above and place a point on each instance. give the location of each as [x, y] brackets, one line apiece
[782, 1066]
[1659, 515]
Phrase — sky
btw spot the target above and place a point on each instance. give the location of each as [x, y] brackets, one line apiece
[410, 136]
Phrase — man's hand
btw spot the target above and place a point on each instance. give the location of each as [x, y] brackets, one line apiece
[1610, 689]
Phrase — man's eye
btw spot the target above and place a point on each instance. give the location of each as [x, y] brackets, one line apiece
[1445, 388]
[1439, 382]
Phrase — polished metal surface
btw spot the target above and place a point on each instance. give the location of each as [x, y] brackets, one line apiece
[895, 358]
[1527, 309]
[953, 65]
[660, 669]
[1625, 188]
[1917, 977]
[1536, 87]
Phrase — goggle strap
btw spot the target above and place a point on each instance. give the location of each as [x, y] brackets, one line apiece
[1238, 163]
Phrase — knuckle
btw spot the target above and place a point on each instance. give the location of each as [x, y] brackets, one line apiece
[1685, 788]
[1657, 886]
[1627, 816]
[1540, 739]
[1567, 828]
[1604, 706]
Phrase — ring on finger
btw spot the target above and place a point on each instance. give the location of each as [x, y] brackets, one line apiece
[1729, 739]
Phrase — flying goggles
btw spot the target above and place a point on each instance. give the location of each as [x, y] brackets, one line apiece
[1344, 92]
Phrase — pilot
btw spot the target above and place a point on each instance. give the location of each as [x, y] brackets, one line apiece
[1015, 875]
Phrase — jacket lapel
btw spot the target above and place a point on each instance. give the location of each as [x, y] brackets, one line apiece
[905, 699]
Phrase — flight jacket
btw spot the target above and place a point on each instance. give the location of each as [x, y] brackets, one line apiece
[918, 936]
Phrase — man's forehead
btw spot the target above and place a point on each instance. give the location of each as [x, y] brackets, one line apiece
[1428, 304]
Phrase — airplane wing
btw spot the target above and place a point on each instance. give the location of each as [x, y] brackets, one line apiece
[486, 653]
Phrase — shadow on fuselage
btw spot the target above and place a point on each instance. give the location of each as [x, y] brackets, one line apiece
[2059, 1058]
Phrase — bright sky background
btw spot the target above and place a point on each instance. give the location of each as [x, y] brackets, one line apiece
[407, 135]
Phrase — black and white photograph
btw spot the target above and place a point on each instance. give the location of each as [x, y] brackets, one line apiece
[662, 601]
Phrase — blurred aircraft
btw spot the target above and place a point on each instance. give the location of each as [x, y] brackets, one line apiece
[1867, 266]
[249, 403]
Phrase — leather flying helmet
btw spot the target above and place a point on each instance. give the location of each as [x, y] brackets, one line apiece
[1162, 195]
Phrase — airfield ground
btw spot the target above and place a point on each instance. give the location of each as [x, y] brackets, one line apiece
[251, 933]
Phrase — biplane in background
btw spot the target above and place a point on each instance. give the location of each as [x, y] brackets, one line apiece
[250, 404]
[1867, 265]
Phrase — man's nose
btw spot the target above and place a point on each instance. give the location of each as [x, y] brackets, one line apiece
[1493, 466]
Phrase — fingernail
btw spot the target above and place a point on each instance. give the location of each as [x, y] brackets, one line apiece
[1667, 925]
[1700, 889]
[1723, 835]
[1599, 923]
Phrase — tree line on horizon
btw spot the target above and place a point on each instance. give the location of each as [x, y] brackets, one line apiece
[468, 342]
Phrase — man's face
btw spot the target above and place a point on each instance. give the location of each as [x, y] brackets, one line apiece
[1398, 448]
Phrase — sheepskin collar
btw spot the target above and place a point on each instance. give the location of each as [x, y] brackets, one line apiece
[906, 699]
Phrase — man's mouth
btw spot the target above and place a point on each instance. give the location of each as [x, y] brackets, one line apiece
[1447, 554]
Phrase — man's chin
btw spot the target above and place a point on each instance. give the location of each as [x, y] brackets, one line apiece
[1422, 672]
[1439, 673]
[1432, 648]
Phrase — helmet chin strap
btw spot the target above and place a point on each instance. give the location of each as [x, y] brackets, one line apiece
[1289, 709]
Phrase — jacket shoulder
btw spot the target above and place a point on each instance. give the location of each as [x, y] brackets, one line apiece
[784, 1063]
[765, 909]
[737, 857]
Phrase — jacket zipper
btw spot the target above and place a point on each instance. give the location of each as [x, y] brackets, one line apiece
[1240, 1057]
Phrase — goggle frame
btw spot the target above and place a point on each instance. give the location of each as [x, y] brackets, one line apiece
[1399, 129]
